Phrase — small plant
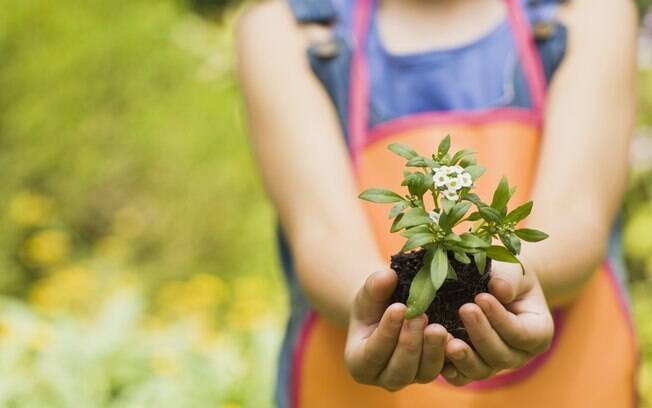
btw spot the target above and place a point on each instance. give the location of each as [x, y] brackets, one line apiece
[440, 198]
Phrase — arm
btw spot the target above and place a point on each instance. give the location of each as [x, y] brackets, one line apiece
[305, 166]
[583, 168]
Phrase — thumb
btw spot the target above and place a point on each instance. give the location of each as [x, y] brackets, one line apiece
[374, 296]
[507, 282]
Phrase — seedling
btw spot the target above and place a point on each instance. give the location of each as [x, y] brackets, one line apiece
[439, 199]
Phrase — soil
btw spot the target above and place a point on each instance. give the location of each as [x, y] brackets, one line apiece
[450, 297]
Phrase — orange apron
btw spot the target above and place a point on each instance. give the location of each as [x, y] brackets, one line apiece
[593, 358]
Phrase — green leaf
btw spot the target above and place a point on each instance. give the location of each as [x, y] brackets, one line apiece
[422, 293]
[451, 273]
[413, 217]
[501, 254]
[462, 257]
[450, 218]
[380, 195]
[501, 195]
[519, 213]
[468, 161]
[462, 154]
[422, 162]
[444, 146]
[439, 268]
[475, 171]
[531, 235]
[397, 209]
[473, 197]
[490, 214]
[418, 183]
[471, 241]
[511, 242]
[395, 225]
[418, 240]
[480, 259]
[402, 150]
[453, 238]
[474, 216]
[447, 205]
[414, 230]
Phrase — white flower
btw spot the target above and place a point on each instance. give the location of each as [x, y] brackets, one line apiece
[455, 170]
[465, 179]
[451, 195]
[443, 170]
[453, 184]
[434, 217]
[440, 178]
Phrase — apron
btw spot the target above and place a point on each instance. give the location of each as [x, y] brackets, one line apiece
[593, 358]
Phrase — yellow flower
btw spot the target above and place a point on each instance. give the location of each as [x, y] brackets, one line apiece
[194, 298]
[30, 209]
[47, 248]
[4, 330]
[250, 303]
[69, 289]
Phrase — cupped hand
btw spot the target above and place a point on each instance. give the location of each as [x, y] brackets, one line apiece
[384, 349]
[508, 327]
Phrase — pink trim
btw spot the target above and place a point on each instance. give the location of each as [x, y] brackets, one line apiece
[403, 124]
[359, 90]
[297, 357]
[532, 66]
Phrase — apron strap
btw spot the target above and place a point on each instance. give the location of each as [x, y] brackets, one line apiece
[313, 11]
[528, 54]
[359, 80]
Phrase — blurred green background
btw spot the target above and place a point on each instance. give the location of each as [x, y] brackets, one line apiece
[137, 255]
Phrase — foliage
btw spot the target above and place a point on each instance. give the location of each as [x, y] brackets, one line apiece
[124, 169]
[448, 179]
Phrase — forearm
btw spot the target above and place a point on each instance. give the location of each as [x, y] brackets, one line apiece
[582, 171]
[568, 259]
[332, 264]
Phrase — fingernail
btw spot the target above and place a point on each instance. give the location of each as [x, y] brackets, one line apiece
[458, 355]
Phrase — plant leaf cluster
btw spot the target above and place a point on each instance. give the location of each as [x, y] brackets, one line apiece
[439, 198]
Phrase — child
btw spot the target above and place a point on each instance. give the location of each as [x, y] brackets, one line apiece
[544, 93]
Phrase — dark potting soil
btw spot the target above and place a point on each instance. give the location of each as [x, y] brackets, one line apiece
[450, 297]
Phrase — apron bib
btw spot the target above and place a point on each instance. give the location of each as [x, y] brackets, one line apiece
[593, 357]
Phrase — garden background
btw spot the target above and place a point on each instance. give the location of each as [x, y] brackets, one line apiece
[137, 258]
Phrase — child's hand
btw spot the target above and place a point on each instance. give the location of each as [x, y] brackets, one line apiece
[385, 350]
[507, 327]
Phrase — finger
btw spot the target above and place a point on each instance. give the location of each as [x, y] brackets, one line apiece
[432, 356]
[374, 296]
[467, 361]
[507, 282]
[453, 376]
[488, 344]
[367, 356]
[530, 331]
[404, 363]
